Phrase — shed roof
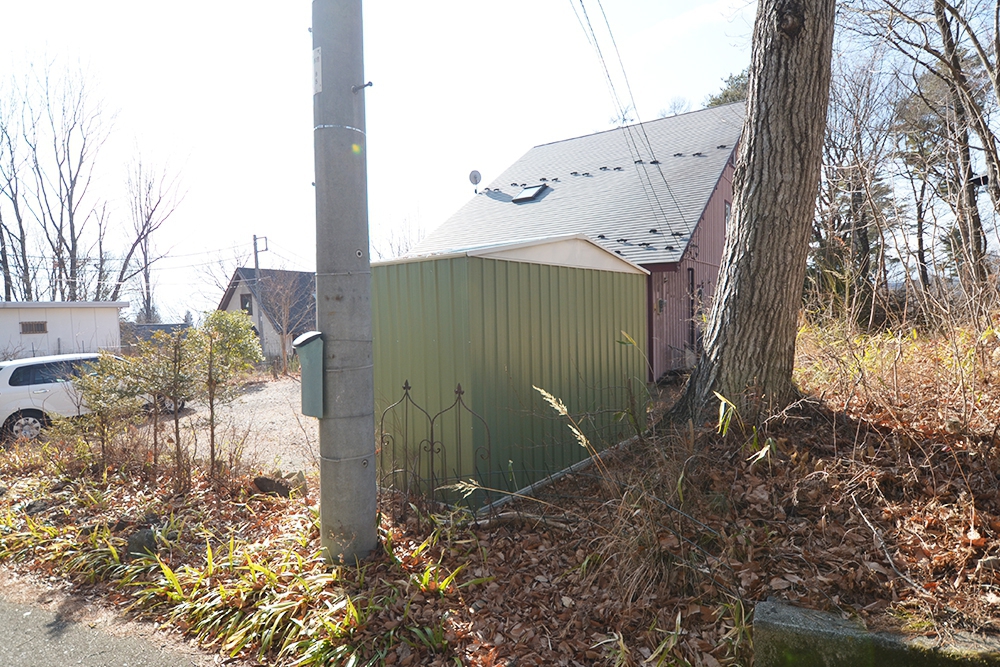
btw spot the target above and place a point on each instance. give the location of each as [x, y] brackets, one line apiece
[63, 304]
[638, 191]
[573, 250]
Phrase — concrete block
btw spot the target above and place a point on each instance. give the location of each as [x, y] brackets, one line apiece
[786, 636]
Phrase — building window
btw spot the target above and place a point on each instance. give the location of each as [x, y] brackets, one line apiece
[729, 210]
[34, 327]
[529, 193]
[246, 303]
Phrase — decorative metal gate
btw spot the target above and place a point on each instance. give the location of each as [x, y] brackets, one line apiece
[420, 453]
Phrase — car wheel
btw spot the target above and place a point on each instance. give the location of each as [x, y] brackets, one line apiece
[26, 424]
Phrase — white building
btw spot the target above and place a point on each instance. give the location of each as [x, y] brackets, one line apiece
[36, 328]
[281, 304]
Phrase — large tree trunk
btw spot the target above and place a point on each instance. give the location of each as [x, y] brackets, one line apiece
[750, 343]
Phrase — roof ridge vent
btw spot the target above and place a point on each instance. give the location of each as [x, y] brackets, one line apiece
[654, 162]
[722, 146]
[555, 180]
[618, 168]
[543, 179]
[513, 185]
[639, 161]
[604, 169]
[654, 231]
[676, 234]
[574, 173]
[678, 154]
[601, 236]
[586, 173]
[698, 154]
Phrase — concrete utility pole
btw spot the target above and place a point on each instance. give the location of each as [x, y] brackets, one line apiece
[343, 283]
[257, 287]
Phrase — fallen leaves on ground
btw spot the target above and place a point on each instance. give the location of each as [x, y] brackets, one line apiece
[861, 503]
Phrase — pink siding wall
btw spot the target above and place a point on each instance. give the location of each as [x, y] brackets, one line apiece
[670, 296]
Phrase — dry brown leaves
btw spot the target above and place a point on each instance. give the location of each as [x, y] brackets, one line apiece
[871, 503]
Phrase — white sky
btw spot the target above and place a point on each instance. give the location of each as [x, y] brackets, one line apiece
[219, 92]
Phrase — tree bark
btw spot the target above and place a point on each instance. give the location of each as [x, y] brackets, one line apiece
[750, 343]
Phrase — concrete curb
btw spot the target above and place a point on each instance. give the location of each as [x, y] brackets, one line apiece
[786, 636]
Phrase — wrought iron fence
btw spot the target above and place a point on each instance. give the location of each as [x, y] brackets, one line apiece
[421, 453]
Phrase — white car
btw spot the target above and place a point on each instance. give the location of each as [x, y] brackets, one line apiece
[34, 390]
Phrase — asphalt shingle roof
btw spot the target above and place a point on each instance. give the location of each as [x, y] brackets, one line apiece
[299, 287]
[596, 185]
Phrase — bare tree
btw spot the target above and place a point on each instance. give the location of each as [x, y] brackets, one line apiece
[750, 342]
[957, 44]
[949, 147]
[64, 131]
[289, 299]
[17, 271]
[60, 236]
[217, 273]
[847, 266]
[102, 289]
[678, 105]
[152, 199]
[921, 141]
[399, 240]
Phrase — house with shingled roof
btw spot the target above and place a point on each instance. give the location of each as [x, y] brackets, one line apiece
[281, 304]
[657, 194]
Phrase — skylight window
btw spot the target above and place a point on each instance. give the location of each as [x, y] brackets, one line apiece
[529, 193]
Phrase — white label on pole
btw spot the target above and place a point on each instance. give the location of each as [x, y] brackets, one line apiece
[317, 70]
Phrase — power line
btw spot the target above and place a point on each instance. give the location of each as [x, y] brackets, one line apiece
[635, 154]
[628, 87]
[627, 130]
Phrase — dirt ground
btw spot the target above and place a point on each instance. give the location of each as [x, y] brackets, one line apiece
[267, 417]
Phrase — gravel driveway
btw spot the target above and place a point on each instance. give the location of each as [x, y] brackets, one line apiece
[268, 417]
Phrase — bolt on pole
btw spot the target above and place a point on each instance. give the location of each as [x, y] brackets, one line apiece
[343, 283]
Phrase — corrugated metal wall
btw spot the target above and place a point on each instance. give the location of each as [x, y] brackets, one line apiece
[557, 328]
[420, 326]
[499, 327]
[672, 299]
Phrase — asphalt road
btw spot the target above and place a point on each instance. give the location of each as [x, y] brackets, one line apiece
[32, 636]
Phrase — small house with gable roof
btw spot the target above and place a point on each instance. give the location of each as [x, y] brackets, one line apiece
[657, 194]
[281, 304]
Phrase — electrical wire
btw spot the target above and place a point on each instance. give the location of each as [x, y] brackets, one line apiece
[628, 87]
[635, 145]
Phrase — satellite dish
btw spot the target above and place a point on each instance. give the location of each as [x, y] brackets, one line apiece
[475, 177]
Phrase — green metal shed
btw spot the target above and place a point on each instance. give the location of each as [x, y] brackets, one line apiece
[496, 321]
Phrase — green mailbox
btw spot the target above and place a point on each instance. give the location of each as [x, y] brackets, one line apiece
[309, 347]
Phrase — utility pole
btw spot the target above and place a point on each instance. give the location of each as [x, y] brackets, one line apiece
[257, 288]
[343, 283]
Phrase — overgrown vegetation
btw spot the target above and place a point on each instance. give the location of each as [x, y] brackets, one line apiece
[126, 399]
[876, 497]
